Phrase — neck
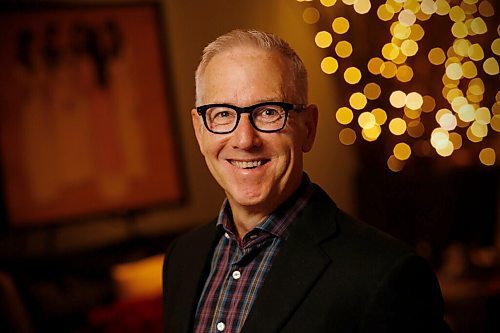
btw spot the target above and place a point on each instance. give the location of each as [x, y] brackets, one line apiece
[246, 219]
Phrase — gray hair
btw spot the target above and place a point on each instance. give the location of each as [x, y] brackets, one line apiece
[297, 82]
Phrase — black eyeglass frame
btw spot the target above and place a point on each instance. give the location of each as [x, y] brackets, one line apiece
[287, 107]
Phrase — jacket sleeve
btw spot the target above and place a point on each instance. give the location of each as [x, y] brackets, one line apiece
[408, 299]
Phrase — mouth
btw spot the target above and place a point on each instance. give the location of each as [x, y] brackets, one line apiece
[248, 164]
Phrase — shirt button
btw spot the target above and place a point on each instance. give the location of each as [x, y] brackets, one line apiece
[226, 235]
[236, 275]
[221, 326]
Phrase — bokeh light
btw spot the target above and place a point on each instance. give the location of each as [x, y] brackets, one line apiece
[433, 86]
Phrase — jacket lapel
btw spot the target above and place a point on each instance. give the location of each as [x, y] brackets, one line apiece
[194, 276]
[296, 268]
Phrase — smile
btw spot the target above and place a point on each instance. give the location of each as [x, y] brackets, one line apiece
[247, 164]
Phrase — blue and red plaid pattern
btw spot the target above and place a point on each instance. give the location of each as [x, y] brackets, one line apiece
[238, 269]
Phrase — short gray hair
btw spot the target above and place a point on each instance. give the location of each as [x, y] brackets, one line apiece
[262, 40]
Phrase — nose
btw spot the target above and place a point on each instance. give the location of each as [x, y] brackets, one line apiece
[245, 136]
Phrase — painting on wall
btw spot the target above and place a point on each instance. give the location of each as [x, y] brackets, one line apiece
[86, 124]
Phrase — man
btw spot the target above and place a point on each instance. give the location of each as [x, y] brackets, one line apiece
[281, 257]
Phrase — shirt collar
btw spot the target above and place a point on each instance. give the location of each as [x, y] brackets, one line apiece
[278, 221]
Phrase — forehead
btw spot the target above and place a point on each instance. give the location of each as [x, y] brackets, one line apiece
[244, 74]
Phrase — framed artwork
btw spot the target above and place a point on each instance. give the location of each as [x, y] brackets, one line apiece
[86, 124]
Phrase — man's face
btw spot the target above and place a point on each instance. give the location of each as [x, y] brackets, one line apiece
[244, 76]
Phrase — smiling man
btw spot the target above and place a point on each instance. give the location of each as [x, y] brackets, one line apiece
[281, 257]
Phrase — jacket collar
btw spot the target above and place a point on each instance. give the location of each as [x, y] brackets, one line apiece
[296, 268]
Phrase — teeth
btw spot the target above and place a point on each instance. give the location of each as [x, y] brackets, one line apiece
[246, 165]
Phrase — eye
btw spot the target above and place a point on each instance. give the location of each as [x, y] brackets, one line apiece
[220, 115]
[268, 113]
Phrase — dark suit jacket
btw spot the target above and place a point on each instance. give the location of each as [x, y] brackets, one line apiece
[332, 274]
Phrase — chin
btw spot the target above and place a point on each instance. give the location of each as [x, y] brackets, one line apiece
[250, 198]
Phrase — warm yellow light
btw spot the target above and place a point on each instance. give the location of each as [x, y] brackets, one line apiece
[456, 139]
[397, 126]
[390, 51]
[329, 65]
[409, 47]
[469, 70]
[310, 15]
[340, 25]
[458, 102]
[397, 99]
[385, 12]
[448, 121]
[459, 30]
[436, 56]
[479, 26]
[412, 114]
[357, 101]
[472, 137]
[487, 156]
[429, 103]
[468, 8]
[443, 7]
[347, 136]
[344, 115]
[454, 71]
[447, 150]
[490, 66]
[328, 3]
[428, 7]
[483, 116]
[439, 138]
[380, 116]
[440, 113]
[362, 6]
[495, 46]
[366, 120]
[476, 52]
[372, 133]
[372, 91]
[400, 31]
[394, 164]
[466, 113]
[461, 47]
[388, 69]
[479, 130]
[400, 59]
[417, 32]
[454, 93]
[352, 75]
[457, 14]
[495, 108]
[374, 65]
[402, 151]
[414, 100]
[343, 49]
[404, 73]
[412, 5]
[323, 39]
[406, 17]
[486, 9]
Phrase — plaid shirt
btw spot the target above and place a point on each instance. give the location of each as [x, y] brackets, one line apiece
[239, 268]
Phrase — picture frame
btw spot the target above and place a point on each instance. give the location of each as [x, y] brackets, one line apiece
[86, 119]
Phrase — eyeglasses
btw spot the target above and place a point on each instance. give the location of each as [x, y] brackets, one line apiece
[267, 117]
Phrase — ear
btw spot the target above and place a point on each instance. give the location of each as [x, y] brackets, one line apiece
[310, 123]
[198, 127]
